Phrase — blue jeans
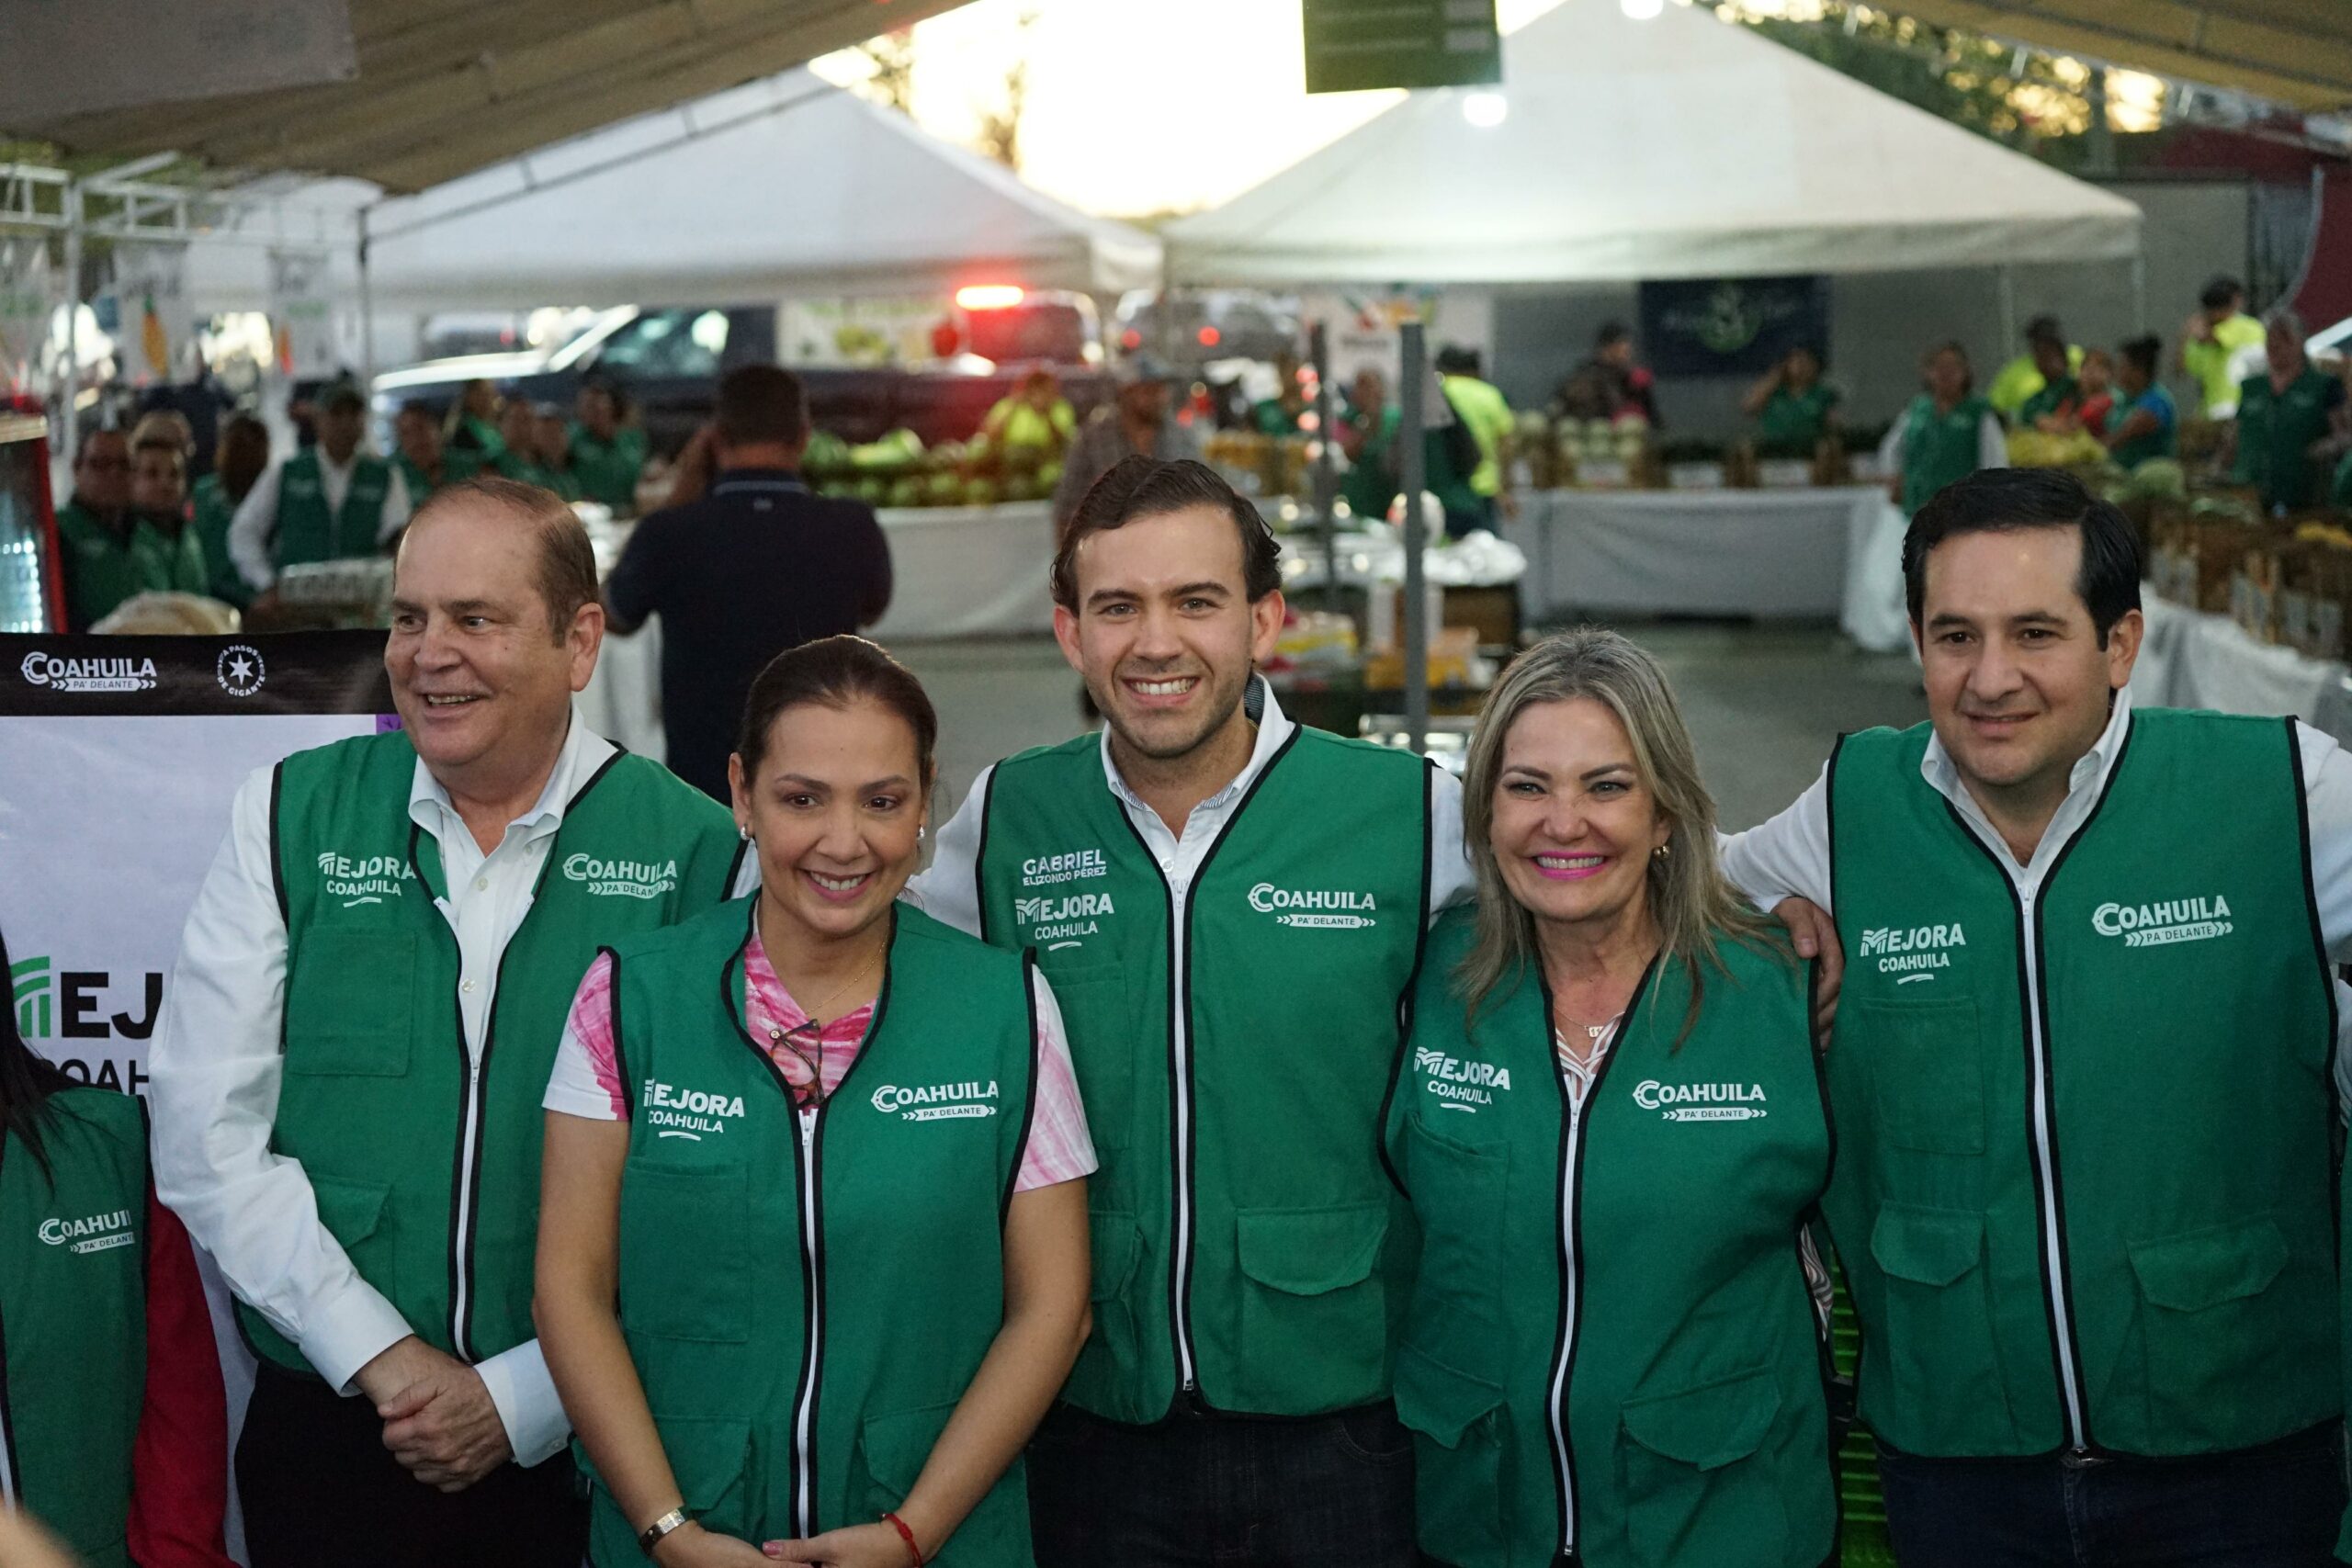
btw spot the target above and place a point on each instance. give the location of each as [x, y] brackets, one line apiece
[2274, 1506]
[1223, 1492]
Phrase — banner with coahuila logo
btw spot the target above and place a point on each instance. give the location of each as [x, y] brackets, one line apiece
[119, 758]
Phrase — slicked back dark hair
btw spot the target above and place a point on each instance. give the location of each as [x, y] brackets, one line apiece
[760, 403]
[1137, 487]
[2003, 500]
[834, 673]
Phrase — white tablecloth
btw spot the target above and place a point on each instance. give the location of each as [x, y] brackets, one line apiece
[1771, 553]
[2193, 660]
[956, 572]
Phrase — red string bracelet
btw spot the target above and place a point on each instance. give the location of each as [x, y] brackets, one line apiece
[913, 1551]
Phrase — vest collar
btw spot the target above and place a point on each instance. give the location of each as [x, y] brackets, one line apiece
[584, 754]
[1274, 727]
[2084, 784]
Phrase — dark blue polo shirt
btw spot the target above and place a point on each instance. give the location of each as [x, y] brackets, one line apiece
[758, 566]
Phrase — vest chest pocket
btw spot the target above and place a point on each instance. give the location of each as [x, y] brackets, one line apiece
[1458, 1459]
[685, 1252]
[1698, 1487]
[1927, 1072]
[1099, 1011]
[1314, 1314]
[350, 999]
[1460, 1192]
[1937, 1350]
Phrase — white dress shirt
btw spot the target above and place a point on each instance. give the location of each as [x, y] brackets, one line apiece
[949, 890]
[1790, 854]
[217, 1070]
[252, 531]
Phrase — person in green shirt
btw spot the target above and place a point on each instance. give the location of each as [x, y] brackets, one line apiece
[1481, 407]
[161, 534]
[604, 455]
[94, 529]
[522, 430]
[1449, 455]
[1947, 433]
[241, 458]
[2047, 353]
[474, 424]
[425, 461]
[2288, 418]
[1279, 414]
[1794, 408]
[2145, 423]
[2213, 345]
[2053, 405]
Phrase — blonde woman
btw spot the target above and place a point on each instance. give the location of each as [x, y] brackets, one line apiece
[1610, 1128]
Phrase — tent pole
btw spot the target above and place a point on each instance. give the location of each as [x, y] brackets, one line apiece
[1319, 353]
[70, 420]
[1414, 370]
[2140, 290]
[2008, 283]
[367, 319]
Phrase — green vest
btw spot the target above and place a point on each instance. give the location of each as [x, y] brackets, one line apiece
[523, 470]
[808, 1295]
[2084, 1177]
[307, 532]
[2050, 399]
[74, 1319]
[1646, 1243]
[103, 567]
[214, 512]
[456, 463]
[428, 1175]
[1248, 1251]
[171, 561]
[1939, 449]
[1793, 422]
[2276, 432]
[607, 471]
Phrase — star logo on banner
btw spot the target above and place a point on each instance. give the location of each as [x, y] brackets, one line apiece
[239, 669]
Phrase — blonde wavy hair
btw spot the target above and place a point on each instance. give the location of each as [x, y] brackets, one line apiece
[1695, 908]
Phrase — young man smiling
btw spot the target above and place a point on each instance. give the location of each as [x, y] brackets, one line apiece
[1231, 909]
[2084, 1070]
[360, 1026]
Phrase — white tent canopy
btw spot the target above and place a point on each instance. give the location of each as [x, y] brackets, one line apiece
[787, 185]
[1675, 147]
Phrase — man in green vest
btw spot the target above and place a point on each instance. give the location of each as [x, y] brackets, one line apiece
[2291, 419]
[605, 456]
[1947, 433]
[359, 1028]
[325, 502]
[172, 555]
[425, 461]
[2046, 351]
[101, 568]
[2084, 1069]
[1230, 907]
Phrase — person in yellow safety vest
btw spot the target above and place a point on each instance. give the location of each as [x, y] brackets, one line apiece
[1036, 420]
[2029, 372]
[2218, 348]
[1487, 413]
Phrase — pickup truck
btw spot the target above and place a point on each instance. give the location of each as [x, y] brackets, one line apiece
[668, 361]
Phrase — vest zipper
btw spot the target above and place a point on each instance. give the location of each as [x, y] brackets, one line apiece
[1180, 1048]
[2045, 1173]
[1572, 1306]
[9, 1497]
[461, 1235]
[804, 1410]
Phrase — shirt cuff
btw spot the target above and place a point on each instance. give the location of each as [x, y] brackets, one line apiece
[518, 1380]
[350, 1331]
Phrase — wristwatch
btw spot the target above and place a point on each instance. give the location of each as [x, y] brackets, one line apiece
[651, 1536]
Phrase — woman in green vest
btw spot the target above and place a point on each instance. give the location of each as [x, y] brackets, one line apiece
[2286, 417]
[113, 1426]
[241, 458]
[812, 1273]
[1947, 433]
[1793, 406]
[1611, 1129]
[473, 423]
[607, 455]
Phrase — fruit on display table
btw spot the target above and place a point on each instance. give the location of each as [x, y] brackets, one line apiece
[900, 473]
